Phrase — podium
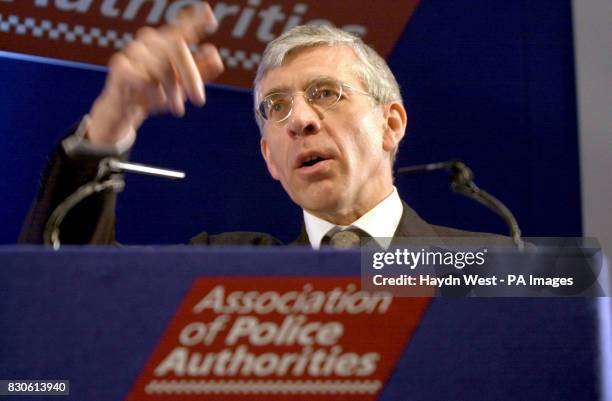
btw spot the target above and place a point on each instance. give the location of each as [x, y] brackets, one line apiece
[113, 321]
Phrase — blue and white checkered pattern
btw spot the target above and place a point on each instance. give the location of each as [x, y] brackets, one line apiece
[95, 36]
[62, 30]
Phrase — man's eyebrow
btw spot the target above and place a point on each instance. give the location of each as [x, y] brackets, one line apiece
[287, 89]
[277, 89]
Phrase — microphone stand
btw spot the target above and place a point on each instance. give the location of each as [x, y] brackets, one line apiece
[108, 178]
[462, 182]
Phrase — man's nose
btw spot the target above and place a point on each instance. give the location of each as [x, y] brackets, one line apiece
[304, 119]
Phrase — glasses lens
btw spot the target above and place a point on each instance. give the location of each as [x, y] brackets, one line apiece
[275, 107]
[324, 93]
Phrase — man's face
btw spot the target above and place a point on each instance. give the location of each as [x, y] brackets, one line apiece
[350, 142]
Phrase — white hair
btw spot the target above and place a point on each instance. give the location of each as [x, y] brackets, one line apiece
[371, 68]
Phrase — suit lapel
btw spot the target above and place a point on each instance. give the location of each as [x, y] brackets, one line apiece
[412, 225]
[302, 238]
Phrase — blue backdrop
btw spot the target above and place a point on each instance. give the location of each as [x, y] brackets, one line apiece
[489, 82]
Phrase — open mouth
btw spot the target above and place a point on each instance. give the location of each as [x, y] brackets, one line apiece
[311, 161]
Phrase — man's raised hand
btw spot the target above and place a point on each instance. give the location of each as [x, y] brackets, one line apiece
[156, 73]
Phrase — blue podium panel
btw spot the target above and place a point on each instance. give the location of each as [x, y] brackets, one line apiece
[94, 316]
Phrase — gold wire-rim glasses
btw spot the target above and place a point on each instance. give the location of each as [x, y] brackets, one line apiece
[323, 93]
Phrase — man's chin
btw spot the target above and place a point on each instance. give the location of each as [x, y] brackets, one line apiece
[320, 204]
[322, 195]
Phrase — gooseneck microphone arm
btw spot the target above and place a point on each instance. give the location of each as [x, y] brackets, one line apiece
[462, 182]
[108, 178]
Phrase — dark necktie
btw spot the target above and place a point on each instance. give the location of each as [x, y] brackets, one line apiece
[345, 239]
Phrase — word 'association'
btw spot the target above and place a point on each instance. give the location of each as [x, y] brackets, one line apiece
[273, 333]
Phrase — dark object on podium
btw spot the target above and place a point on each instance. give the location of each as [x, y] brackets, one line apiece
[109, 178]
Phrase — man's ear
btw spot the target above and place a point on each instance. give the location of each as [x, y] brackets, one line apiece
[395, 125]
[265, 152]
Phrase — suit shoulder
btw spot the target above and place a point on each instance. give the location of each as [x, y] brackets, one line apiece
[235, 238]
[444, 231]
[450, 232]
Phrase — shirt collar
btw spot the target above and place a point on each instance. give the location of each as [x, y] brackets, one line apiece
[380, 222]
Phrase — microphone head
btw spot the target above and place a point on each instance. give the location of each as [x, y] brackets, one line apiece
[460, 172]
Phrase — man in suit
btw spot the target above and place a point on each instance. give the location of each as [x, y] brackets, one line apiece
[329, 110]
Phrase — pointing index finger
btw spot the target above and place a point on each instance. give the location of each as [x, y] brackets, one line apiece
[196, 22]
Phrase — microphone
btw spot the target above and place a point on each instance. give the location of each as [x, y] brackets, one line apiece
[114, 166]
[462, 182]
[426, 168]
[108, 178]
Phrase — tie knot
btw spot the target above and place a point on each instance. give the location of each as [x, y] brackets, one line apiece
[345, 239]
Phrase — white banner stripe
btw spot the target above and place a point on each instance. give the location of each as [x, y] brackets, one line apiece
[263, 387]
[70, 33]
[101, 38]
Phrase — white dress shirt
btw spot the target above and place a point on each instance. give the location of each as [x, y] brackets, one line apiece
[380, 222]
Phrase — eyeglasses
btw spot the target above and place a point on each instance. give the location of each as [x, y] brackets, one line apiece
[322, 94]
